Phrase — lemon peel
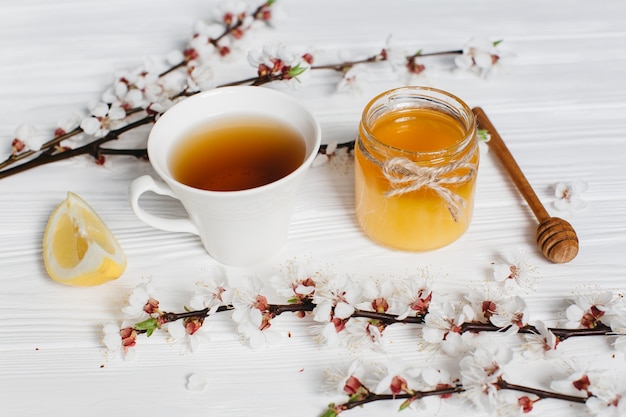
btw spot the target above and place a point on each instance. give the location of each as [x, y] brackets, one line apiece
[78, 247]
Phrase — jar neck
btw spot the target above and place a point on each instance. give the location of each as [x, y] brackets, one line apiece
[407, 99]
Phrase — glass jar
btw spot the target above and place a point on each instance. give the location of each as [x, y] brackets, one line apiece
[416, 160]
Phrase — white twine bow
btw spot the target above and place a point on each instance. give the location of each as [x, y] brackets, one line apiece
[405, 176]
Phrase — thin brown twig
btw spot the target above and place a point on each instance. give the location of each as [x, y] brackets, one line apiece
[51, 152]
[91, 148]
[502, 384]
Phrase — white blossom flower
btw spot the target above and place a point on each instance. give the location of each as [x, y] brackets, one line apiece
[142, 87]
[408, 65]
[200, 48]
[486, 301]
[481, 371]
[515, 271]
[399, 377]
[353, 79]
[413, 295]
[608, 397]
[620, 344]
[130, 86]
[213, 292]
[442, 326]
[590, 309]
[252, 327]
[160, 95]
[481, 56]
[395, 55]
[605, 392]
[377, 295]
[416, 72]
[362, 333]
[69, 123]
[104, 118]
[512, 312]
[174, 57]
[188, 332]
[618, 326]
[335, 297]
[270, 55]
[327, 334]
[576, 382]
[280, 63]
[569, 195]
[540, 345]
[436, 378]
[572, 385]
[30, 136]
[296, 281]
[226, 10]
[508, 404]
[344, 381]
[111, 338]
[200, 77]
[119, 340]
[140, 303]
[253, 317]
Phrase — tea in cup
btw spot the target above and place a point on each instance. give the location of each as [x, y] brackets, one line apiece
[235, 158]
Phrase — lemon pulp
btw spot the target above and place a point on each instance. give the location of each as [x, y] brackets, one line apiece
[79, 249]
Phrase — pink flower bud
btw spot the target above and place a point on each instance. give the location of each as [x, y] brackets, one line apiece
[398, 385]
[352, 385]
[129, 337]
[526, 404]
[18, 146]
[152, 306]
[308, 58]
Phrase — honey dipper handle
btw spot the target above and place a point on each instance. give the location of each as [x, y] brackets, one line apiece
[502, 152]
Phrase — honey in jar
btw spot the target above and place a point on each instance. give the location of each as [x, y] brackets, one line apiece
[416, 160]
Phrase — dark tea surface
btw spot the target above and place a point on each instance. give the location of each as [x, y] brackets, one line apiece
[237, 154]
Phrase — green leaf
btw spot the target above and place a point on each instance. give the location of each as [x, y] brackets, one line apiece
[498, 42]
[405, 404]
[329, 413]
[297, 70]
[483, 135]
[149, 326]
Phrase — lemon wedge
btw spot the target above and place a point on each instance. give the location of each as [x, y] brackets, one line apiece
[78, 248]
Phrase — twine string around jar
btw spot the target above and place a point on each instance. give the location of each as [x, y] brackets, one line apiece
[405, 176]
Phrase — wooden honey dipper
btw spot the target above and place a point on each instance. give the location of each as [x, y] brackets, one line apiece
[556, 238]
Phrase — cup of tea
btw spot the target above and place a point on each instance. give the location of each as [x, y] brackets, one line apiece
[235, 157]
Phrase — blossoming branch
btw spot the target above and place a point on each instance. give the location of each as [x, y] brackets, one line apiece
[139, 96]
[342, 311]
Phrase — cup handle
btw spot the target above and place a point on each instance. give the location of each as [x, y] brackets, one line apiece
[147, 183]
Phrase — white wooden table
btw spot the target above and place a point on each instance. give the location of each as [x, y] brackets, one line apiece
[560, 103]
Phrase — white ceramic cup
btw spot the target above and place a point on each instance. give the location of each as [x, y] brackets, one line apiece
[236, 227]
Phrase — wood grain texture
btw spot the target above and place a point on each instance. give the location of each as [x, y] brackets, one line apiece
[559, 103]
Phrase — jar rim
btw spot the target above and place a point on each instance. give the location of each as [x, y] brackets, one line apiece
[440, 99]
